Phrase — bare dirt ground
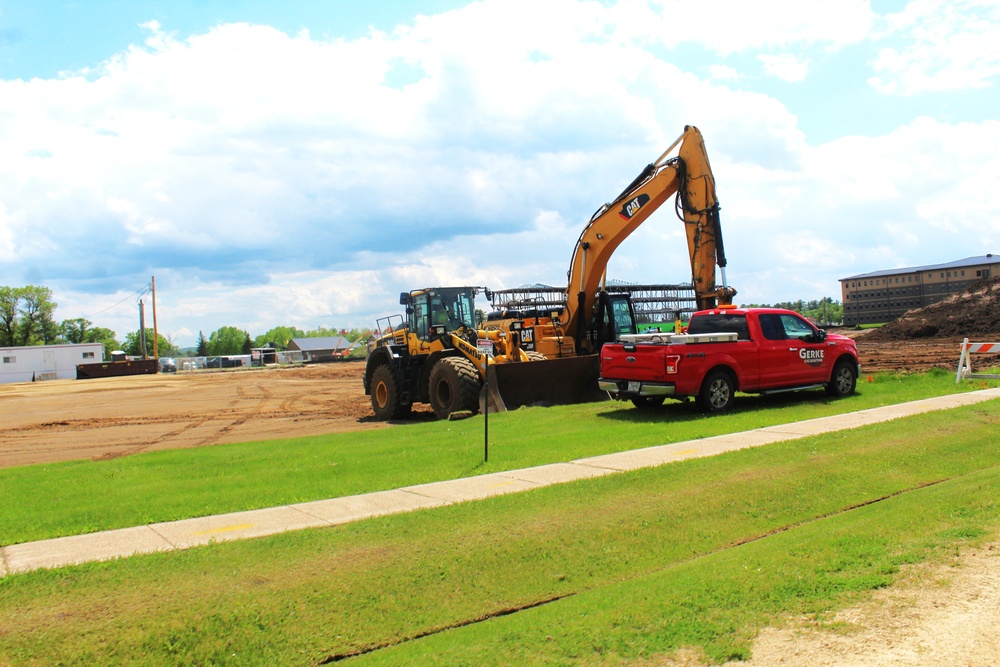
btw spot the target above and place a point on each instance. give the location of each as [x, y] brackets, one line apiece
[111, 417]
[944, 614]
[937, 616]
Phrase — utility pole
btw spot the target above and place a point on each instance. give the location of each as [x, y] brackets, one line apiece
[156, 353]
[142, 329]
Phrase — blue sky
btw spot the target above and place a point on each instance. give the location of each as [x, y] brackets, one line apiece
[301, 163]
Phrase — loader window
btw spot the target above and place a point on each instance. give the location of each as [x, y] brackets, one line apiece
[453, 307]
[419, 316]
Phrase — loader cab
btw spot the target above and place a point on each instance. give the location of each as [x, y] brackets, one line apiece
[453, 307]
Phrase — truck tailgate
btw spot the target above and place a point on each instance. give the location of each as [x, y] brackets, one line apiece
[647, 363]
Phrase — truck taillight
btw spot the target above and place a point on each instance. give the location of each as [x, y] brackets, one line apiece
[672, 361]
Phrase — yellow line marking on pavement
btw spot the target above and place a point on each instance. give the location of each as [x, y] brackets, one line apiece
[225, 529]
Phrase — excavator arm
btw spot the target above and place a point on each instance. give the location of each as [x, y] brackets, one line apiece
[687, 175]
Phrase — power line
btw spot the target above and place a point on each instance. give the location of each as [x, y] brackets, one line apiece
[137, 294]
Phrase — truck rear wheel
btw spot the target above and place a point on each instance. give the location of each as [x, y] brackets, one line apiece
[717, 392]
[385, 395]
[843, 380]
[454, 386]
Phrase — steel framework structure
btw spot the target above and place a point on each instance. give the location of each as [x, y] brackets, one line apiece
[653, 303]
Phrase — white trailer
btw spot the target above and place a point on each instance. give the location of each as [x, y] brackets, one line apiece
[46, 362]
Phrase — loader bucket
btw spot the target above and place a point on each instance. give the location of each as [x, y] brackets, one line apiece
[550, 382]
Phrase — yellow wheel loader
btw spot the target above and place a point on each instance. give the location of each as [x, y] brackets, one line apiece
[436, 354]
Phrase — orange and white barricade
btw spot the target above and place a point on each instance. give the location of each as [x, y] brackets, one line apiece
[965, 360]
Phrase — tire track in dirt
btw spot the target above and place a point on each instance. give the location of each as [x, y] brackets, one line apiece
[114, 417]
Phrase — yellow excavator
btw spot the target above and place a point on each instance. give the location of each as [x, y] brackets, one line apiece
[572, 337]
[440, 354]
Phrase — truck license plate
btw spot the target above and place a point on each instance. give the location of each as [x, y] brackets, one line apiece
[633, 387]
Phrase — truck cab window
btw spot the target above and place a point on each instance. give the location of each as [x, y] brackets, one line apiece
[709, 324]
[796, 327]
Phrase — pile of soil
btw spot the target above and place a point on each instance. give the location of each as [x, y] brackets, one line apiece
[973, 313]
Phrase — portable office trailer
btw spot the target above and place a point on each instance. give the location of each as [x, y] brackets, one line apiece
[46, 362]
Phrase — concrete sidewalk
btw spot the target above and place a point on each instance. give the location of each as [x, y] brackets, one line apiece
[256, 523]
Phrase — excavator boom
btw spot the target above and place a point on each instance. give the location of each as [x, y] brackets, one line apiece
[689, 177]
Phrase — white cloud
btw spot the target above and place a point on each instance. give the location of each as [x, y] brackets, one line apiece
[785, 66]
[730, 27]
[268, 179]
[950, 45]
[723, 73]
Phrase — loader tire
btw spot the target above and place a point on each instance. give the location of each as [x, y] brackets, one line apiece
[386, 403]
[454, 386]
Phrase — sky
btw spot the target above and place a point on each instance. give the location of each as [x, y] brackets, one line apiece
[302, 163]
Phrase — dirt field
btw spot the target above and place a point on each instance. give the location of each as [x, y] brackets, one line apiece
[111, 417]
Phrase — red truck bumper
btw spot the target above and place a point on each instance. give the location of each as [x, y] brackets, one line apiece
[626, 389]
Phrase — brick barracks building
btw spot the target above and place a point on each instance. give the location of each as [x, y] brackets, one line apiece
[882, 296]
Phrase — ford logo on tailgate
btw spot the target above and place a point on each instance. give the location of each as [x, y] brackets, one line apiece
[631, 360]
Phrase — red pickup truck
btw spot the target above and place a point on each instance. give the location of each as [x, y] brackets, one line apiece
[725, 350]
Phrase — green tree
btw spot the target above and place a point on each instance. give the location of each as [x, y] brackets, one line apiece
[26, 316]
[35, 324]
[247, 344]
[104, 336]
[279, 336]
[825, 311]
[133, 345]
[9, 298]
[202, 350]
[80, 330]
[226, 341]
[76, 330]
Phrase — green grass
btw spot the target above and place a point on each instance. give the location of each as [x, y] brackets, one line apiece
[699, 553]
[44, 501]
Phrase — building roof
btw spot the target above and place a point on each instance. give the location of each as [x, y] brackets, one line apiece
[979, 260]
[319, 344]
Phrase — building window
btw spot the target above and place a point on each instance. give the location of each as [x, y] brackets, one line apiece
[10, 360]
[88, 355]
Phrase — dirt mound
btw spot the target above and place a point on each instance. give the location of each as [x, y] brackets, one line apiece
[973, 313]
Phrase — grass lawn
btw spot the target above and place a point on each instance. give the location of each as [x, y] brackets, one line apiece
[610, 571]
[44, 501]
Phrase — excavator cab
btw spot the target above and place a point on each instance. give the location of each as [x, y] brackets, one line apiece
[614, 315]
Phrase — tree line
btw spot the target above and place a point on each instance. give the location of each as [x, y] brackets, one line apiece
[825, 311]
[232, 340]
[27, 317]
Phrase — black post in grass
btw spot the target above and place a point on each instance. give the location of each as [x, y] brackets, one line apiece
[486, 415]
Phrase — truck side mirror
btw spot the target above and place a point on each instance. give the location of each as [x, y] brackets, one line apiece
[405, 299]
